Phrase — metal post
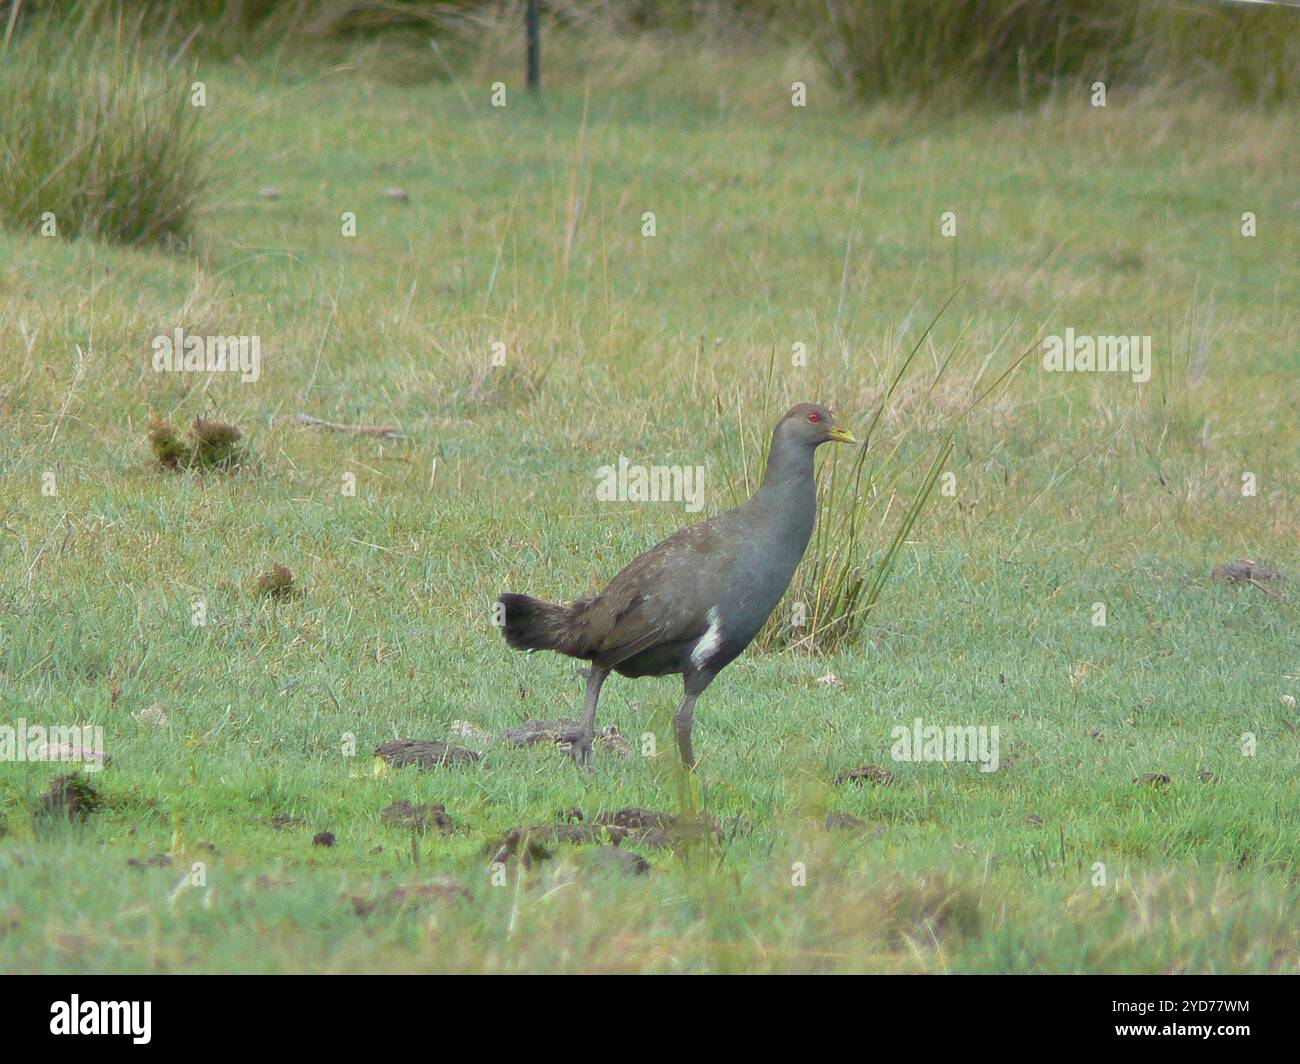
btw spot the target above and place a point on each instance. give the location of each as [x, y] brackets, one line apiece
[533, 23]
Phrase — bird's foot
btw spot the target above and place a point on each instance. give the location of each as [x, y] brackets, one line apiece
[580, 751]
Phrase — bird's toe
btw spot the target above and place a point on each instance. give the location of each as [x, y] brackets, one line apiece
[580, 751]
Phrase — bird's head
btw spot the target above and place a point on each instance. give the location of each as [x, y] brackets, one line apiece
[811, 425]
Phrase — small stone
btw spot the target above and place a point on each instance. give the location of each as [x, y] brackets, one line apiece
[612, 739]
[276, 582]
[154, 716]
[469, 732]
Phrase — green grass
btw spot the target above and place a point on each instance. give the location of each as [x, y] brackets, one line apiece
[98, 134]
[1071, 490]
[949, 53]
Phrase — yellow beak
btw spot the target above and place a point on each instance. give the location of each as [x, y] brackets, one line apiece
[842, 436]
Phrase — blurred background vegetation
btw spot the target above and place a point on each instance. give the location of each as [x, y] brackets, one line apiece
[523, 224]
[124, 161]
[1003, 51]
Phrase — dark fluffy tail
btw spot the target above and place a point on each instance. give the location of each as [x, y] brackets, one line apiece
[531, 624]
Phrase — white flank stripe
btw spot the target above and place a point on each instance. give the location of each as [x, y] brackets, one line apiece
[709, 642]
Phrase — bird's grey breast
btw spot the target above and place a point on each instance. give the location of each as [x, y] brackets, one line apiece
[765, 564]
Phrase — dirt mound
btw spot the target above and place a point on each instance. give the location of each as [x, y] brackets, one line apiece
[1244, 571]
[70, 798]
[424, 753]
[865, 774]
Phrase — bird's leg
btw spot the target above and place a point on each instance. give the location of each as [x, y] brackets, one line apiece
[581, 750]
[683, 720]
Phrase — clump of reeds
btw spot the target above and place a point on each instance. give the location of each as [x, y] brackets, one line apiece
[845, 568]
[954, 53]
[210, 445]
[98, 134]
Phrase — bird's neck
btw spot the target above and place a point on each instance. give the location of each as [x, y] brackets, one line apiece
[788, 486]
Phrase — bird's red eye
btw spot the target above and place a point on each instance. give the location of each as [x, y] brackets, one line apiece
[814, 417]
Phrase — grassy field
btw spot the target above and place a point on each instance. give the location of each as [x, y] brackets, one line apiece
[774, 225]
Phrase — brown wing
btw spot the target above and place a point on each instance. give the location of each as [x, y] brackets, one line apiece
[661, 597]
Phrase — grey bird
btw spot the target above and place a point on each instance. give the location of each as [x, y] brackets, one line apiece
[694, 602]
